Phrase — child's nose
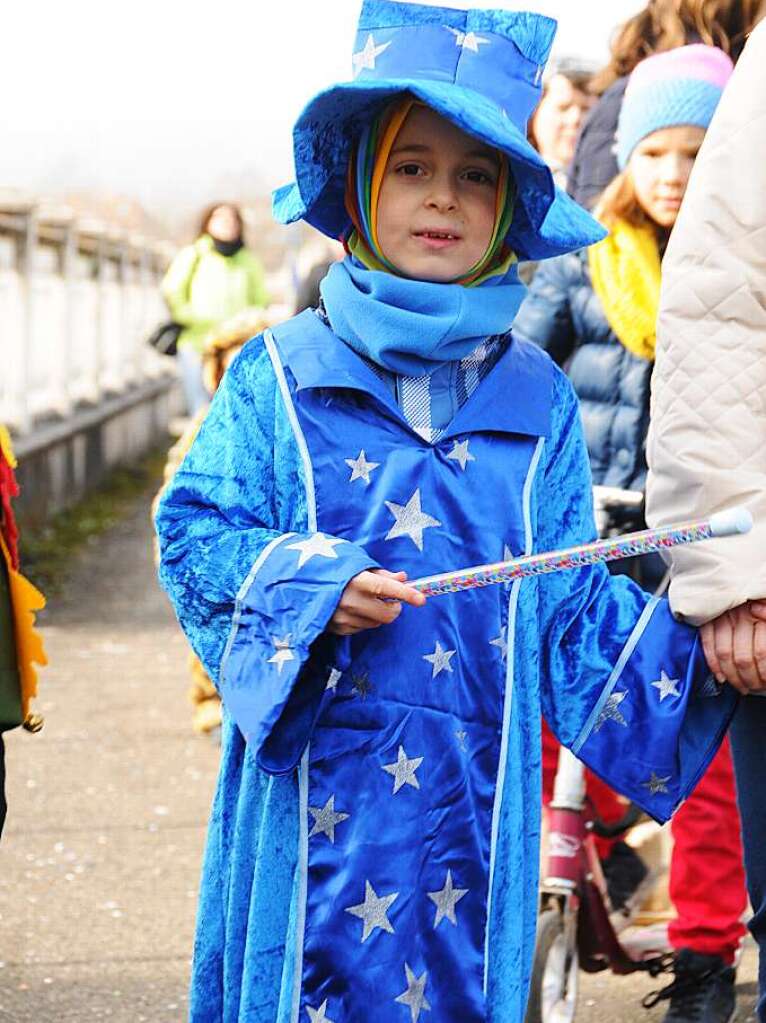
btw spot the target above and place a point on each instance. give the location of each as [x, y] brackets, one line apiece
[442, 198]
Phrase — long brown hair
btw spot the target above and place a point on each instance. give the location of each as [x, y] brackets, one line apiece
[619, 201]
[208, 212]
[667, 24]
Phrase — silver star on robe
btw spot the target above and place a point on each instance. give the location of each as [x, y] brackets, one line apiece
[410, 520]
[446, 900]
[467, 40]
[611, 712]
[461, 737]
[325, 819]
[283, 654]
[440, 659]
[415, 995]
[365, 59]
[666, 686]
[317, 546]
[501, 643]
[461, 454]
[656, 784]
[404, 770]
[319, 1015]
[334, 679]
[373, 911]
[361, 468]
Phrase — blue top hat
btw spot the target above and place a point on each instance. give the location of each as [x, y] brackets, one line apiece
[483, 70]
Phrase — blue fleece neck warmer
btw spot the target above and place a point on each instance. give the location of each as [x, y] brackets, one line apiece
[413, 327]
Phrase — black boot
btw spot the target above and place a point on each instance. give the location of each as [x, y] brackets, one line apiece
[703, 991]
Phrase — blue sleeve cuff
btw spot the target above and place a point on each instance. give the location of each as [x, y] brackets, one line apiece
[660, 718]
[279, 658]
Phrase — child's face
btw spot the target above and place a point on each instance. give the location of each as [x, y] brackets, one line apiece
[436, 210]
[660, 167]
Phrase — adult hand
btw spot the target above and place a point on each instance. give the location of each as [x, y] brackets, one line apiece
[373, 599]
[735, 647]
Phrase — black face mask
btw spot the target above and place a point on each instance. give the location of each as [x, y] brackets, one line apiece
[227, 248]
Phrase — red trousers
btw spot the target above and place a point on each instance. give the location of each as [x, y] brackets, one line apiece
[707, 876]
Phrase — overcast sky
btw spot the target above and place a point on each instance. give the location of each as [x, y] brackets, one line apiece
[169, 101]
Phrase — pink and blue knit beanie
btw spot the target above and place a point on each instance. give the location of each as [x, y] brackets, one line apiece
[681, 86]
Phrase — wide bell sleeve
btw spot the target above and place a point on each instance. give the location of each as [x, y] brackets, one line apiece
[623, 684]
[252, 583]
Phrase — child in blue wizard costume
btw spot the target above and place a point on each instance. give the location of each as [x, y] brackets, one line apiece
[373, 848]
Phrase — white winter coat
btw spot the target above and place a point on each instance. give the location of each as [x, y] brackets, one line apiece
[707, 441]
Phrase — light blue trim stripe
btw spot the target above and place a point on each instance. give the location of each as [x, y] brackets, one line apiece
[243, 591]
[303, 878]
[617, 671]
[303, 770]
[300, 440]
[508, 700]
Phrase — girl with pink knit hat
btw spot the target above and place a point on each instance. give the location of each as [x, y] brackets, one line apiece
[595, 312]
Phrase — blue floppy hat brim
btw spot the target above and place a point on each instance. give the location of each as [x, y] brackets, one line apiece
[546, 222]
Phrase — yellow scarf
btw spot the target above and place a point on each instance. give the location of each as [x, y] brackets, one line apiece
[625, 272]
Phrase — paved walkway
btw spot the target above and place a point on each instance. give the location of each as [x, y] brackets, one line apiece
[108, 804]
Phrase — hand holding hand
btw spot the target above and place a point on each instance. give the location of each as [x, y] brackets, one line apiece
[735, 646]
[372, 599]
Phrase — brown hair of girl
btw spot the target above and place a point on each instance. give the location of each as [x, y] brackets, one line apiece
[667, 24]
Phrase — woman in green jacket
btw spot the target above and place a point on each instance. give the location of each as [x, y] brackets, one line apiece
[209, 282]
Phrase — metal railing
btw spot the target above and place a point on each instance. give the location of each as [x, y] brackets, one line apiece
[77, 301]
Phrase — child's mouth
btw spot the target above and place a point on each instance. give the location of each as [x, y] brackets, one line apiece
[437, 239]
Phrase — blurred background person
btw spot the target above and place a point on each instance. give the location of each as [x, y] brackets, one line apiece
[207, 283]
[555, 125]
[595, 313]
[661, 25]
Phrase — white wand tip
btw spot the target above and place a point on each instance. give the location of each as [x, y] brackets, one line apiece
[732, 521]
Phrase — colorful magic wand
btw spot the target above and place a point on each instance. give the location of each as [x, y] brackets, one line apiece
[726, 523]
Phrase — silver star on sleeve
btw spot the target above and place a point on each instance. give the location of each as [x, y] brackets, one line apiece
[446, 900]
[415, 995]
[611, 712]
[334, 678]
[461, 454]
[440, 659]
[283, 654]
[410, 521]
[666, 685]
[361, 468]
[373, 911]
[317, 546]
[325, 819]
[403, 770]
[319, 1015]
[656, 785]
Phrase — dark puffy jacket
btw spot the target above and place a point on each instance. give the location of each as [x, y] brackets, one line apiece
[563, 315]
[594, 164]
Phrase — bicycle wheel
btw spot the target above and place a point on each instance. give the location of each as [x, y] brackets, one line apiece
[553, 987]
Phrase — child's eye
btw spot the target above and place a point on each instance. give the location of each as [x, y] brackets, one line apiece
[478, 177]
[410, 169]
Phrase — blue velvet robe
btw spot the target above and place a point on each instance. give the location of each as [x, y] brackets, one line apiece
[373, 846]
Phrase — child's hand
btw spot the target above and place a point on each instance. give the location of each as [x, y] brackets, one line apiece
[372, 599]
[735, 647]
